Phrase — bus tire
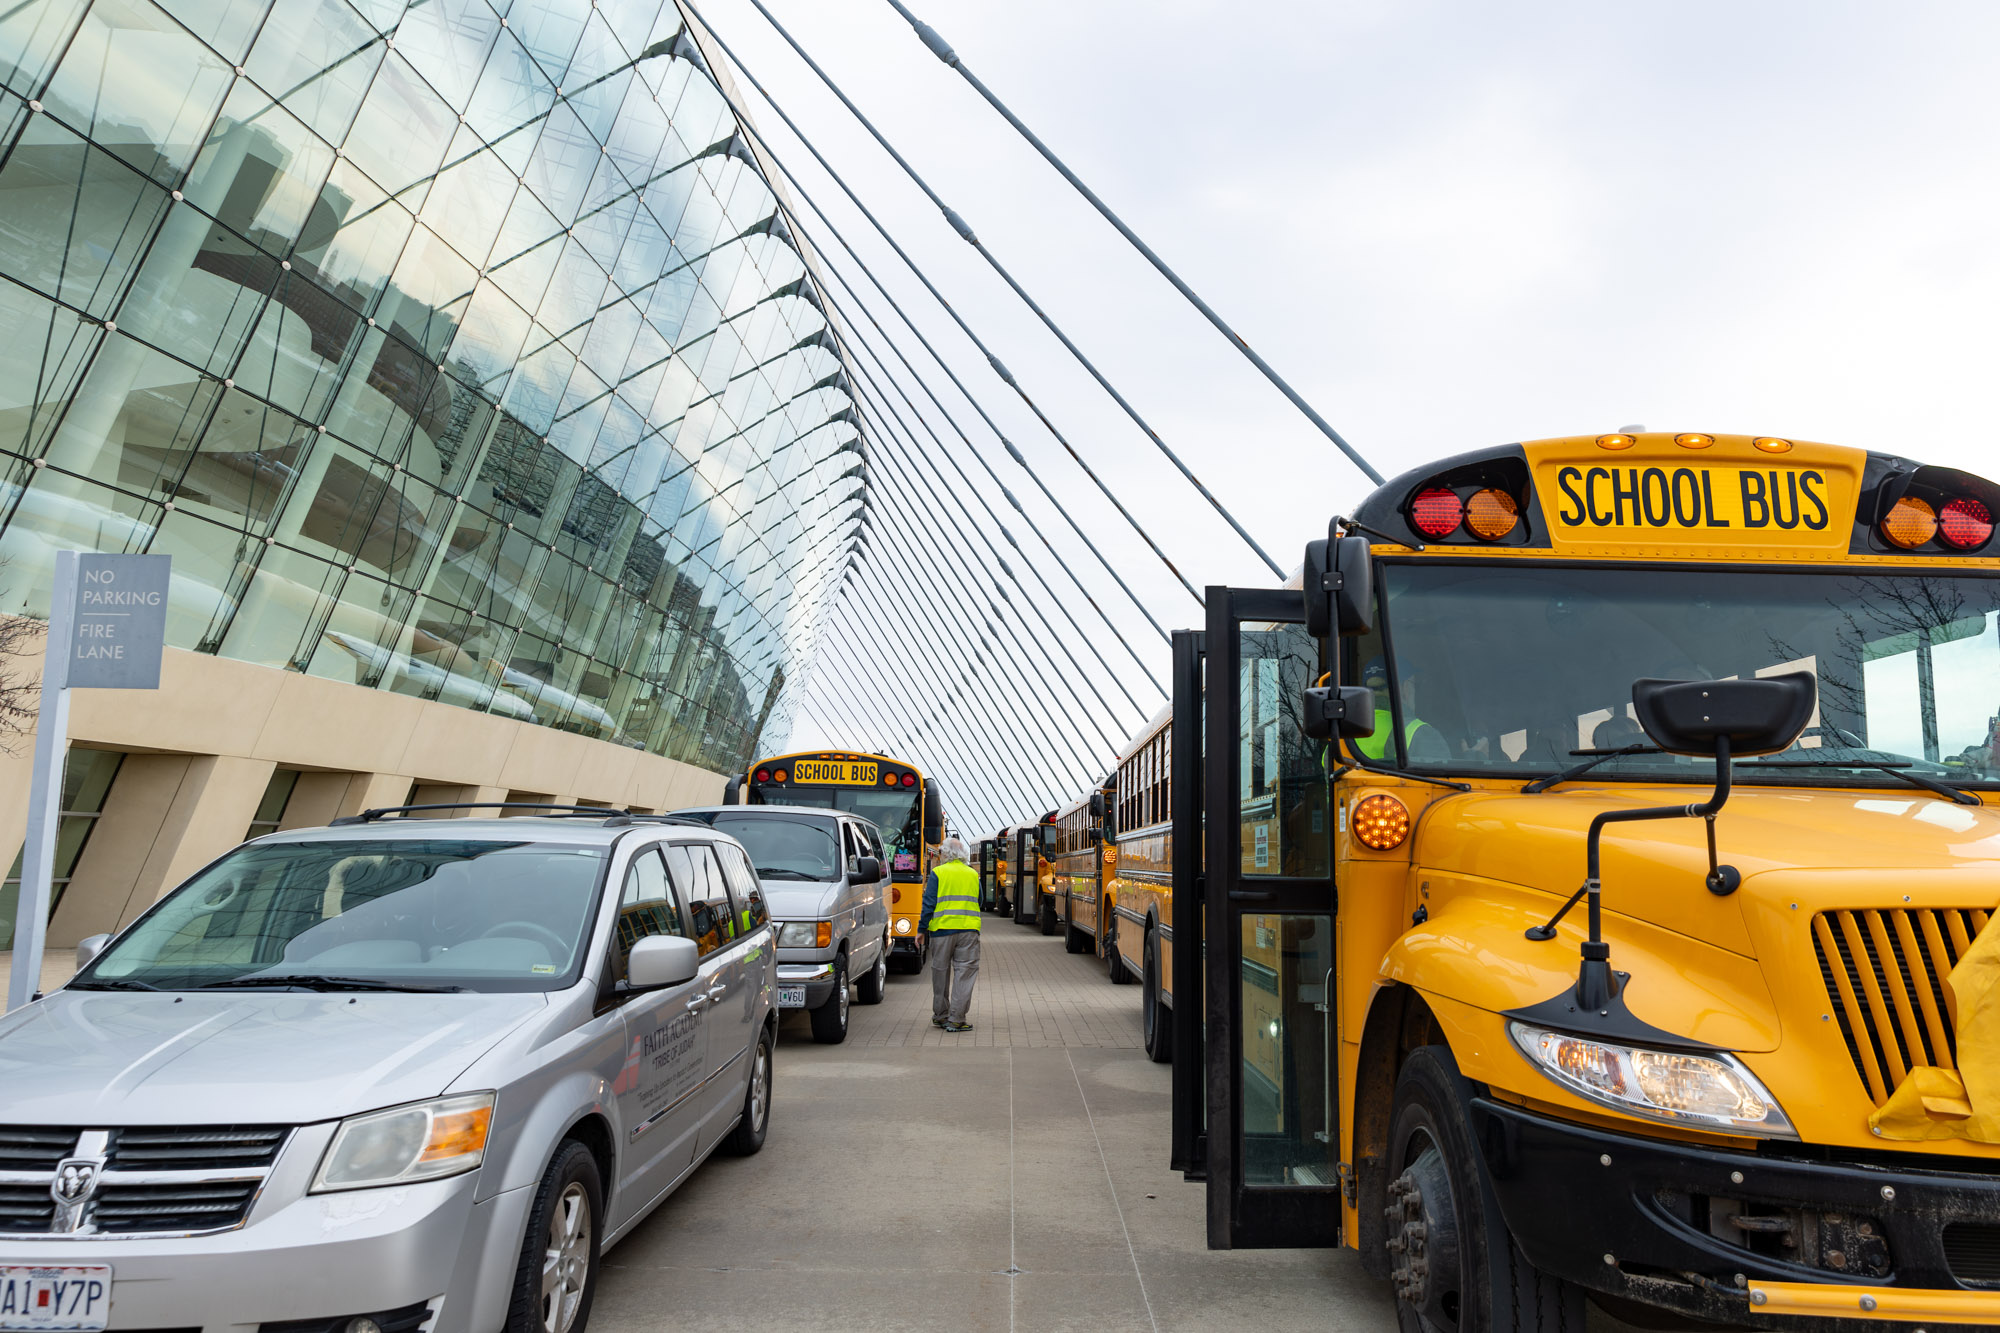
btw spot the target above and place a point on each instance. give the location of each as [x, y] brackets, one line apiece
[1156, 1020]
[1045, 920]
[1075, 938]
[1024, 909]
[829, 1021]
[1114, 962]
[1453, 1263]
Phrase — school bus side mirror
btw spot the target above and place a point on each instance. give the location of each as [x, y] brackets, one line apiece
[1346, 711]
[1097, 805]
[1336, 580]
[1736, 718]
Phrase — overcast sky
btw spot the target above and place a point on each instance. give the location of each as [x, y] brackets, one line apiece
[1451, 225]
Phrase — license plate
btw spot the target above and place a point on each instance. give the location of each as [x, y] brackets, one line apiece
[789, 997]
[55, 1296]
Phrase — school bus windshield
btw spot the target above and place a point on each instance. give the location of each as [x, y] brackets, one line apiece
[895, 813]
[1512, 669]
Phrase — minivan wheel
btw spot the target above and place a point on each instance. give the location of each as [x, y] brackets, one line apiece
[748, 1136]
[829, 1021]
[871, 988]
[557, 1276]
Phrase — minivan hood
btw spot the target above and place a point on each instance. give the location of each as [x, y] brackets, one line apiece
[796, 900]
[1655, 870]
[111, 1058]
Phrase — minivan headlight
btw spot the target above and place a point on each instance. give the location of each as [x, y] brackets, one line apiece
[421, 1141]
[805, 934]
[1711, 1091]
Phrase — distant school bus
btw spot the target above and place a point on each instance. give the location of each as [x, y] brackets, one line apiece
[1733, 699]
[904, 805]
[1081, 861]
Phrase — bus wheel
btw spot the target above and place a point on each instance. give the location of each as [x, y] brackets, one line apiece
[1114, 962]
[1075, 940]
[1156, 1020]
[1046, 918]
[1452, 1261]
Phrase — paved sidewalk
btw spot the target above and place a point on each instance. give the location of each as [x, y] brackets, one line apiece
[1014, 1178]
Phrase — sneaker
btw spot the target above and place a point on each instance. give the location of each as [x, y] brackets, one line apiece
[938, 1022]
[956, 1027]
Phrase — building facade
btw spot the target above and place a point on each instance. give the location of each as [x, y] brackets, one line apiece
[460, 357]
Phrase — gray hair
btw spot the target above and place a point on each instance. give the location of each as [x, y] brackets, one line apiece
[953, 849]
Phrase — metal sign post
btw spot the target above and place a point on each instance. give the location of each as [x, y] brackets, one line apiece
[107, 630]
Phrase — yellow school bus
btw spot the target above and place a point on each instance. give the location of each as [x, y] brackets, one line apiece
[905, 806]
[1138, 908]
[1082, 862]
[1597, 889]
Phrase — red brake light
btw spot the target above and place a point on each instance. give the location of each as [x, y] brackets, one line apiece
[1965, 523]
[763, 775]
[1437, 512]
[778, 775]
[909, 779]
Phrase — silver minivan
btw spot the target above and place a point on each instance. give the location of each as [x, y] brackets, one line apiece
[827, 882]
[401, 1074]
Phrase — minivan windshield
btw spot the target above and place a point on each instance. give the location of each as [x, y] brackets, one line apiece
[1510, 669]
[402, 914]
[781, 848]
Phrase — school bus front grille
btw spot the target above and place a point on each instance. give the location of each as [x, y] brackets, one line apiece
[1884, 973]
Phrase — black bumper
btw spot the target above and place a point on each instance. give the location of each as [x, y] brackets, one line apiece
[905, 944]
[1642, 1226]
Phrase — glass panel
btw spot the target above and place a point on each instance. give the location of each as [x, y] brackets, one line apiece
[353, 239]
[647, 906]
[1283, 791]
[318, 58]
[135, 83]
[200, 292]
[289, 592]
[226, 25]
[446, 41]
[41, 365]
[74, 220]
[260, 172]
[271, 809]
[87, 776]
[1285, 997]
[32, 38]
[403, 129]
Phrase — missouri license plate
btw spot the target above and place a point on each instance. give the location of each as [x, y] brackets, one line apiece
[55, 1296]
[791, 997]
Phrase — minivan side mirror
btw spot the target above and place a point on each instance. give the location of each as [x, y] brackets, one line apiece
[662, 960]
[1337, 582]
[88, 948]
[866, 870]
[1346, 711]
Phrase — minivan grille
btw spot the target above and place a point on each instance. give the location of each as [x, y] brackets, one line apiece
[172, 1207]
[33, 1147]
[196, 1148]
[25, 1208]
[1884, 972]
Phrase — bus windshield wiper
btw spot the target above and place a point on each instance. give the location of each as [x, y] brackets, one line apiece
[1893, 767]
[1387, 772]
[1575, 770]
[315, 981]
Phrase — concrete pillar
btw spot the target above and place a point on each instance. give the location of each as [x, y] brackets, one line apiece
[167, 816]
[429, 793]
[371, 791]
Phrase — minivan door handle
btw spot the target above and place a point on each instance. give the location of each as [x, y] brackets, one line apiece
[696, 1003]
[717, 992]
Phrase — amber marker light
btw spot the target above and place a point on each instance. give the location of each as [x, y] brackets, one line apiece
[1694, 441]
[1491, 514]
[457, 1135]
[1910, 523]
[888, 779]
[1771, 444]
[1616, 441]
[779, 775]
[1381, 822]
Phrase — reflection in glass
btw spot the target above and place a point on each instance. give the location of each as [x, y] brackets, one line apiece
[1286, 994]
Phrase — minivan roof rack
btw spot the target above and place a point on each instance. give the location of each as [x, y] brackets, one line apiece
[565, 811]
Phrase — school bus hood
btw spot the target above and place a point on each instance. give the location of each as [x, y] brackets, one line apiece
[1864, 848]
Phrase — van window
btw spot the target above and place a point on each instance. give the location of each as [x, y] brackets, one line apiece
[648, 905]
[710, 917]
[750, 910]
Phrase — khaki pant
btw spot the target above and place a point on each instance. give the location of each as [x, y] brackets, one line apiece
[954, 960]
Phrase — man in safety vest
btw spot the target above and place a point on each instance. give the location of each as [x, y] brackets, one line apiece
[1420, 738]
[950, 923]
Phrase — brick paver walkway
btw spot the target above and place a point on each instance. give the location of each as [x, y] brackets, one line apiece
[1029, 993]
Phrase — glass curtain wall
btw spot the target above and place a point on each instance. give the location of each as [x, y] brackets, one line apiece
[449, 347]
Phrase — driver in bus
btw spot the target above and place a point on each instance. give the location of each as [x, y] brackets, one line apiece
[1425, 743]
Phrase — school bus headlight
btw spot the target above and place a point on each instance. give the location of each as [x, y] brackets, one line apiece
[1381, 821]
[1710, 1091]
[1491, 514]
[1911, 523]
[902, 925]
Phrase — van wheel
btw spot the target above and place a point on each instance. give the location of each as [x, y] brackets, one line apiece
[748, 1136]
[829, 1021]
[1075, 940]
[1156, 1020]
[1114, 962]
[1452, 1261]
[557, 1276]
[871, 988]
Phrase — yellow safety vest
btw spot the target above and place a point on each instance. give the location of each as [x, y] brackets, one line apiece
[957, 897]
[1376, 744]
